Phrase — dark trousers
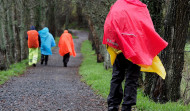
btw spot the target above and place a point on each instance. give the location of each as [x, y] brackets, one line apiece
[66, 59]
[44, 57]
[123, 69]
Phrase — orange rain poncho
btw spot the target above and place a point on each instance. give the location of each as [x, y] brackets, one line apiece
[33, 39]
[66, 44]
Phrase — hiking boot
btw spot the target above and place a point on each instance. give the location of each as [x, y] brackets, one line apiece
[65, 65]
[113, 109]
[34, 65]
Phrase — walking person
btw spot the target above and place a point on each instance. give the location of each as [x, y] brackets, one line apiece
[47, 42]
[66, 47]
[33, 44]
[133, 44]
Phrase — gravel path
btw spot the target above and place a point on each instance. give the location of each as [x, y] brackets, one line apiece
[52, 87]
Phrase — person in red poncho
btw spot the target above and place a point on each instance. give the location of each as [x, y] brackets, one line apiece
[33, 44]
[130, 35]
[66, 46]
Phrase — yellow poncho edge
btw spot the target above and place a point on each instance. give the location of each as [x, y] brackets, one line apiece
[156, 67]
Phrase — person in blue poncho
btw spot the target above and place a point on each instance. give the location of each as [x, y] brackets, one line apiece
[47, 41]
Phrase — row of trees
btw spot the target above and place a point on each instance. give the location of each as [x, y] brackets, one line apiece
[171, 20]
[13, 23]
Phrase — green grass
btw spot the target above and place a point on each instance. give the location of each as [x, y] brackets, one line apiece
[187, 47]
[57, 39]
[98, 78]
[145, 104]
[14, 70]
[75, 37]
[93, 73]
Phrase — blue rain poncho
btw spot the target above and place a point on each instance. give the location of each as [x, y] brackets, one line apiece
[47, 41]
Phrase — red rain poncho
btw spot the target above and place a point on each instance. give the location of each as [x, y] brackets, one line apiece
[66, 44]
[129, 28]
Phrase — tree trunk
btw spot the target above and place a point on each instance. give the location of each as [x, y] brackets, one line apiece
[176, 27]
[51, 17]
[10, 35]
[95, 41]
[3, 38]
[79, 15]
[22, 30]
[67, 9]
[16, 32]
[152, 80]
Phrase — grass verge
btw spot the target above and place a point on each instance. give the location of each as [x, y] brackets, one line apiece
[98, 78]
[92, 72]
[14, 70]
[187, 47]
[75, 37]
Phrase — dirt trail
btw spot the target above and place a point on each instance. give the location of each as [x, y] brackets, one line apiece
[52, 87]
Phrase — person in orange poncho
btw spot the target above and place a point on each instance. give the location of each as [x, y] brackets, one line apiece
[66, 46]
[133, 43]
